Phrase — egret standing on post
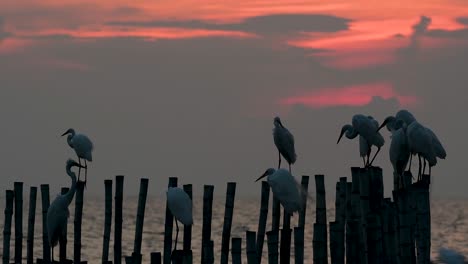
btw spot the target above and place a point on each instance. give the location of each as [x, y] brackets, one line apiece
[366, 127]
[285, 189]
[180, 205]
[83, 148]
[57, 214]
[284, 142]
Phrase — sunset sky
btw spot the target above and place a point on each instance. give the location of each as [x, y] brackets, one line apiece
[189, 88]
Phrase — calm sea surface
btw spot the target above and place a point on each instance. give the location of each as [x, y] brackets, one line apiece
[449, 226]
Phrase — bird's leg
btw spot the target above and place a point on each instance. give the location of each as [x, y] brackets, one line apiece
[177, 235]
[367, 162]
[364, 161]
[79, 168]
[419, 169]
[279, 160]
[424, 167]
[378, 149]
[86, 172]
[410, 158]
[52, 256]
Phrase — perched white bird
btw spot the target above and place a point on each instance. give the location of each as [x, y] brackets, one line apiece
[450, 256]
[57, 214]
[180, 205]
[366, 127]
[284, 142]
[83, 148]
[285, 188]
[399, 149]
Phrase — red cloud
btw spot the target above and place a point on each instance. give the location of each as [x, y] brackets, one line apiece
[357, 95]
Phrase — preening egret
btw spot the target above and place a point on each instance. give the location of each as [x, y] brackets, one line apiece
[57, 214]
[83, 148]
[285, 188]
[366, 127]
[284, 142]
[180, 205]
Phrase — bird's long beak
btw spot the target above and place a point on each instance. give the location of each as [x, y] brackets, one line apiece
[384, 123]
[341, 135]
[263, 176]
[65, 133]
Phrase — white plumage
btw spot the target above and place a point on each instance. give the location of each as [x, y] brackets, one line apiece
[284, 142]
[57, 214]
[366, 127]
[83, 148]
[180, 205]
[285, 189]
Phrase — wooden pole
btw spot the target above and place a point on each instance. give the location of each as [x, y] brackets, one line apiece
[7, 225]
[320, 227]
[334, 242]
[140, 216]
[78, 221]
[45, 207]
[18, 188]
[63, 239]
[388, 232]
[352, 247]
[168, 227]
[262, 219]
[275, 214]
[155, 258]
[228, 214]
[364, 183]
[376, 189]
[374, 239]
[207, 213]
[236, 250]
[421, 195]
[107, 220]
[404, 232]
[118, 220]
[340, 220]
[355, 218]
[298, 245]
[299, 238]
[272, 240]
[208, 250]
[251, 247]
[188, 229]
[31, 221]
[285, 243]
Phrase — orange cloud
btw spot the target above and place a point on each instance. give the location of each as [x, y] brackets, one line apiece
[357, 95]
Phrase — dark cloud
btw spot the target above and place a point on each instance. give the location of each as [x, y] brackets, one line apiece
[463, 20]
[456, 34]
[3, 33]
[271, 24]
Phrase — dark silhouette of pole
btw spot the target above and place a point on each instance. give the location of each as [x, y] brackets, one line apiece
[236, 250]
[207, 213]
[119, 184]
[228, 214]
[63, 239]
[7, 225]
[18, 187]
[31, 221]
[188, 229]
[78, 221]
[168, 227]
[140, 218]
[262, 219]
[107, 220]
[45, 206]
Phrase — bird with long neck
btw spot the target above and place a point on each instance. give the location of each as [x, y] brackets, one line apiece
[57, 214]
[83, 148]
[284, 142]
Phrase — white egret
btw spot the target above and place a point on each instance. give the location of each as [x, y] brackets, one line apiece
[180, 205]
[57, 214]
[366, 127]
[83, 148]
[285, 189]
[284, 142]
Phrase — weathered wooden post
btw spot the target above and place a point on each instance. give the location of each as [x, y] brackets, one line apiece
[45, 206]
[155, 258]
[376, 189]
[228, 214]
[262, 219]
[421, 195]
[107, 220]
[18, 188]
[119, 184]
[285, 242]
[188, 229]
[388, 233]
[298, 245]
[275, 213]
[78, 221]
[208, 252]
[136, 255]
[374, 239]
[334, 247]
[340, 219]
[31, 221]
[299, 238]
[236, 250]
[207, 213]
[319, 240]
[352, 242]
[364, 185]
[7, 225]
[168, 227]
[272, 240]
[63, 240]
[251, 247]
[353, 236]
[404, 233]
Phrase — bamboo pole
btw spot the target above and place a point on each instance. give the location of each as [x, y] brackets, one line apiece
[376, 189]
[155, 258]
[364, 185]
[319, 241]
[208, 250]
[334, 242]
[262, 219]
[45, 206]
[169, 222]
[404, 232]
[228, 214]
[236, 251]
[299, 238]
[63, 239]
[188, 229]
[31, 220]
[275, 213]
[107, 220]
[18, 188]
[272, 240]
[352, 248]
[7, 225]
[285, 242]
[423, 219]
[207, 213]
[251, 247]
[298, 245]
[341, 219]
[78, 221]
[388, 232]
[374, 239]
[118, 220]
[355, 215]
[140, 217]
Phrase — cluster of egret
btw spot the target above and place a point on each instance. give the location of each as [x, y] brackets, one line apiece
[57, 214]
